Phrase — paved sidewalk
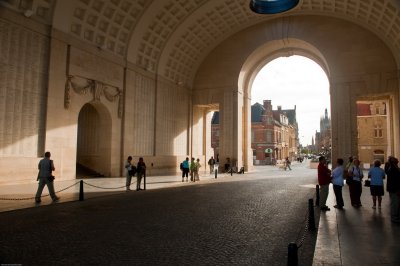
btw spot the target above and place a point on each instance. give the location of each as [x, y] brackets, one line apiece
[357, 236]
[235, 220]
[22, 195]
[348, 237]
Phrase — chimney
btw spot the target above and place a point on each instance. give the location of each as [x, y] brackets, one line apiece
[267, 105]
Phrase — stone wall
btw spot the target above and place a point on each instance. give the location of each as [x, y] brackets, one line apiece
[23, 89]
[24, 52]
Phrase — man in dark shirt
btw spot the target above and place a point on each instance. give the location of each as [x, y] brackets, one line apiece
[393, 187]
[324, 179]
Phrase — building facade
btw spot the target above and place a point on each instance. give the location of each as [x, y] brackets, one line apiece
[323, 138]
[373, 133]
[274, 133]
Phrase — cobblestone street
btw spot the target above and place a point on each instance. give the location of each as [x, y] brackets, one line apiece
[240, 220]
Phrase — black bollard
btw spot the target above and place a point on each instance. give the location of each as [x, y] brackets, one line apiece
[81, 190]
[216, 173]
[311, 218]
[231, 171]
[292, 255]
[317, 196]
[144, 181]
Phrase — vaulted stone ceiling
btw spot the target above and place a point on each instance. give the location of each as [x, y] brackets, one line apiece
[172, 37]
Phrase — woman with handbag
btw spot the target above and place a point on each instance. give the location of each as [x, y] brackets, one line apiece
[376, 174]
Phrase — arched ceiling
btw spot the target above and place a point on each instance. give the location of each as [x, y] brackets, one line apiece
[172, 37]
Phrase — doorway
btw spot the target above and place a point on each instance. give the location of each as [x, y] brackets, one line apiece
[93, 142]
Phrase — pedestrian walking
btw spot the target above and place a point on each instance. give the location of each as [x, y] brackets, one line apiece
[393, 187]
[324, 179]
[338, 183]
[141, 172]
[376, 174]
[45, 178]
[288, 163]
[355, 186]
[211, 163]
[185, 169]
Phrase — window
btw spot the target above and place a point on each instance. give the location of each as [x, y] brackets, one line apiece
[378, 132]
[272, 6]
[269, 137]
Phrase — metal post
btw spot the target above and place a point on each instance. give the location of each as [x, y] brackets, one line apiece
[317, 196]
[311, 217]
[81, 190]
[144, 181]
[292, 255]
[216, 173]
[231, 171]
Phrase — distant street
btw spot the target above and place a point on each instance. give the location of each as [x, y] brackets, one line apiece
[241, 220]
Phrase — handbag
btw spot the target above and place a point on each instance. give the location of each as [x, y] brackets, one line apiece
[133, 171]
[367, 183]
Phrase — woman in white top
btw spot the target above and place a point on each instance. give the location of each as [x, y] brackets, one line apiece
[356, 185]
[338, 182]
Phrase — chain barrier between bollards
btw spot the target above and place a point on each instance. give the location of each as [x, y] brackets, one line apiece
[309, 222]
[311, 217]
[46, 195]
[81, 191]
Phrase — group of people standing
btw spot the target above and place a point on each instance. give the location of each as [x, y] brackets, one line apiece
[131, 170]
[353, 175]
[191, 167]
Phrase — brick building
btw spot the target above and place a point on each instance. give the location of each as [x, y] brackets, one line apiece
[274, 133]
[372, 128]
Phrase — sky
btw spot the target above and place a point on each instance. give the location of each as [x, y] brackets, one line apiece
[295, 80]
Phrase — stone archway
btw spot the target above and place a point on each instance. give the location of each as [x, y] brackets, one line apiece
[353, 69]
[255, 62]
[93, 141]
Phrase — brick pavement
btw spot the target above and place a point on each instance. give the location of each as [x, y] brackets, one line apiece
[239, 220]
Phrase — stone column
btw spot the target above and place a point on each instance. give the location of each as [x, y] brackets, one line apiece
[343, 120]
[231, 128]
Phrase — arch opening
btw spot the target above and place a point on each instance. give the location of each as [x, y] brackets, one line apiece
[93, 141]
[250, 69]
